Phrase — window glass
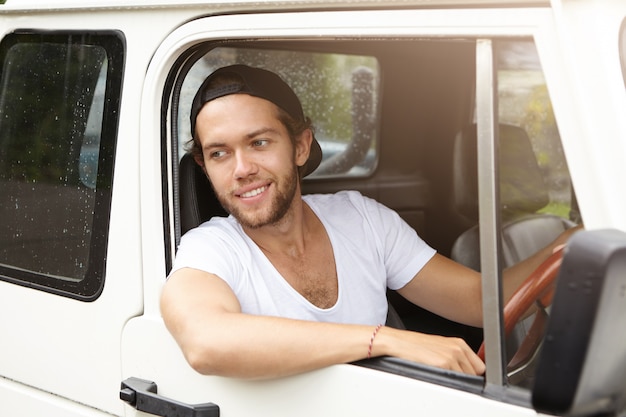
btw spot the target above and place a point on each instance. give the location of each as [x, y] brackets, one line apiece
[338, 92]
[524, 103]
[535, 190]
[59, 98]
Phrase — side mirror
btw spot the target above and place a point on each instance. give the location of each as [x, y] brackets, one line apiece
[582, 365]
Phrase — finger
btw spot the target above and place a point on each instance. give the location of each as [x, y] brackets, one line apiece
[478, 365]
[469, 361]
[472, 364]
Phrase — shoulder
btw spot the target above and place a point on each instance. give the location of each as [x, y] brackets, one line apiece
[217, 246]
[219, 231]
[350, 209]
[227, 225]
[341, 199]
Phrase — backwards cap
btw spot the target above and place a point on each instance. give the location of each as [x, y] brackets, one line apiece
[259, 83]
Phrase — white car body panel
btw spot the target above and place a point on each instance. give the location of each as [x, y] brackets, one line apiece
[45, 369]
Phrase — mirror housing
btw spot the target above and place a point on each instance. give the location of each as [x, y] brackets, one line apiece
[582, 365]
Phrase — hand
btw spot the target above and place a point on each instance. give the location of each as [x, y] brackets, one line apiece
[439, 351]
[562, 239]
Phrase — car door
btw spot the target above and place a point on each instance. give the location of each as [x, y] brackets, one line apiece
[379, 386]
[60, 103]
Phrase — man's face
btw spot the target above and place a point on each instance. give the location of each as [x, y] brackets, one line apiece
[249, 158]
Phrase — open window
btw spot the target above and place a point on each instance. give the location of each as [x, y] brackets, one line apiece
[338, 91]
[405, 104]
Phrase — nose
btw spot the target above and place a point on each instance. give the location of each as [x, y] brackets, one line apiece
[244, 165]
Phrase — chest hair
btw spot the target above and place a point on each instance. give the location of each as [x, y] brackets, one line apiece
[313, 274]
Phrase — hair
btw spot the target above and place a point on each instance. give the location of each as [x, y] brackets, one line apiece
[294, 127]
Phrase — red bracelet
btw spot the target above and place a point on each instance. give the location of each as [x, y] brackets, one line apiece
[369, 349]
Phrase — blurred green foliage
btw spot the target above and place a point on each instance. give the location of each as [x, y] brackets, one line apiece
[525, 102]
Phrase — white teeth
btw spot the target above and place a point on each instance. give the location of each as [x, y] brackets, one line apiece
[253, 192]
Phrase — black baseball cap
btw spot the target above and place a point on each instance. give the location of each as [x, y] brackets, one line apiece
[260, 83]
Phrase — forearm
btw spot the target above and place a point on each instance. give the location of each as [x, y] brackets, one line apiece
[245, 346]
[515, 275]
[269, 347]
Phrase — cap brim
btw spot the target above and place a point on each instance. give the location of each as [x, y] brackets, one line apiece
[315, 157]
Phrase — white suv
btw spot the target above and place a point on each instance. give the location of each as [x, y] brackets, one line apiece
[510, 115]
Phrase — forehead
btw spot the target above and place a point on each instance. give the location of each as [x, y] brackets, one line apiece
[237, 115]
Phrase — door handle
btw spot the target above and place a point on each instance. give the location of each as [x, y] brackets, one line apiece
[142, 395]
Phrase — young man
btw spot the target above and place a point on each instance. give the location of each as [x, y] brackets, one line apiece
[291, 283]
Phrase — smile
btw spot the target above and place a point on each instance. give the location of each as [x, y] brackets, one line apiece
[253, 193]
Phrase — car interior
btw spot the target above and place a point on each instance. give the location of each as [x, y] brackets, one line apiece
[419, 126]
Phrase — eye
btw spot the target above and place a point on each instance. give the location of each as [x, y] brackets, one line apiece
[257, 143]
[217, 154]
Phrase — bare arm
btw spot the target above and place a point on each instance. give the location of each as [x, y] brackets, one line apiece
[205, 318]
[448, 289]
[516, 274]
[454, 291]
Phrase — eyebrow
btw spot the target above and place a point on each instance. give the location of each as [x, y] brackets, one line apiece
[250, 135]
[261, 131]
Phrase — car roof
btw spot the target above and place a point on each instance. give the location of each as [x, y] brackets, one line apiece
[269, 4]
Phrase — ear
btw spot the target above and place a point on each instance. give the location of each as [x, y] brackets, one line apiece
[199, 159]
[303, 147]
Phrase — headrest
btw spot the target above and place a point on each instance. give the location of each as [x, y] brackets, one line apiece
[198, 202]
[522, 188]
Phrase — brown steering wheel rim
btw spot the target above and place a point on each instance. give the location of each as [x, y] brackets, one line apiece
[532, 289]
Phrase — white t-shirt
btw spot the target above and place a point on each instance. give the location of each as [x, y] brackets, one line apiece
[373, 247]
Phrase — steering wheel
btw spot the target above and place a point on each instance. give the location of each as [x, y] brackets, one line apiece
[537, 287]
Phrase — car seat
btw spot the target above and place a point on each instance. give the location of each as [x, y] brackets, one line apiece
[198, 202]
[523, 192]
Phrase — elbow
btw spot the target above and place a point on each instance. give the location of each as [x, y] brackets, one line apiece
[207, 359]
[222, 359]
[200, 362]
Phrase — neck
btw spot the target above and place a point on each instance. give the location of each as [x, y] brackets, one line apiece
[288, 235]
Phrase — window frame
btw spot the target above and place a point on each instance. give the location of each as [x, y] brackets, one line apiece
[91, 285]
[196, 35]
[487, 119]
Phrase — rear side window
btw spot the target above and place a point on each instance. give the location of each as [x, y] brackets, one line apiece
[346, 128]
[59, 105]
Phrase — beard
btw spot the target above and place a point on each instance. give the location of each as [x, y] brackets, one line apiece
[284, 193]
